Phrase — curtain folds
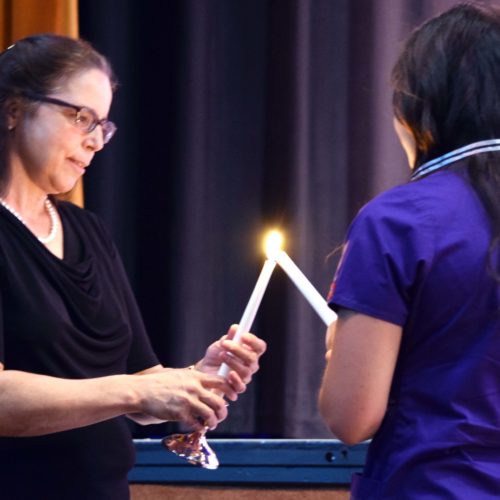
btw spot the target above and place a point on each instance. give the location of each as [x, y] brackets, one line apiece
[234, 117]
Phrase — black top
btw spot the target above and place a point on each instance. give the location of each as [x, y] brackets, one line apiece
[75, 318]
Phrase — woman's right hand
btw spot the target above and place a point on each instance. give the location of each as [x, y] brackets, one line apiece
[184, 395]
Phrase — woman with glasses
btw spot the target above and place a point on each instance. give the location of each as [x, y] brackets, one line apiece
[74, 356]
[414, 360]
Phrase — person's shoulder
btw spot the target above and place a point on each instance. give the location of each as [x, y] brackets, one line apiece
[396, 202]
[423, 199]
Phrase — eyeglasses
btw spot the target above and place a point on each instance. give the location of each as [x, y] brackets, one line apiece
[85, 119]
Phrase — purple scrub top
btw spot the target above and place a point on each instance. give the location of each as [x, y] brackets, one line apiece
[417, 256]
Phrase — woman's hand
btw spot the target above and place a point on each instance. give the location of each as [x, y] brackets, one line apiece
[242, 358]
[184, 395]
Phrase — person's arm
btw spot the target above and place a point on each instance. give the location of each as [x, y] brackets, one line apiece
[361, 357]
[32, 404]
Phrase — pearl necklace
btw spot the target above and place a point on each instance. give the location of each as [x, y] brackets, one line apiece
[54, 223]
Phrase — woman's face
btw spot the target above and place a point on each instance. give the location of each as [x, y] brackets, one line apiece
[407, 141]
[48, 151]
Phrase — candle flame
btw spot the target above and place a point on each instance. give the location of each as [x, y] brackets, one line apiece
[273, 243]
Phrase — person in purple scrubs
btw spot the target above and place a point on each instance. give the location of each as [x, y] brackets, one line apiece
[413, 361]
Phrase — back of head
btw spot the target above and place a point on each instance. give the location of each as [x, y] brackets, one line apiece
[447, 80]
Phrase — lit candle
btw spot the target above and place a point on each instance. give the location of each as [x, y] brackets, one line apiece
[303, 284]
[272, 244]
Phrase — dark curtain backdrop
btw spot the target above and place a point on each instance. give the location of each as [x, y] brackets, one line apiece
[234, 116]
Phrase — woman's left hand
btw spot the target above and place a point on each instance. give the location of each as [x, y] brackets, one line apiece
[242, 358]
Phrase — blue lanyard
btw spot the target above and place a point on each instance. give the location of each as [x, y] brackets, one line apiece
[457, 154]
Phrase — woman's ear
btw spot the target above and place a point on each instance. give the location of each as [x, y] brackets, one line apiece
[13, 108]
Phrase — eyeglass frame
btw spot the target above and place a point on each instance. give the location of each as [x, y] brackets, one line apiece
[107, 133]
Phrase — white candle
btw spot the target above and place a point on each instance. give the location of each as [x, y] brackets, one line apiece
[304, 285]
[252, 307]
